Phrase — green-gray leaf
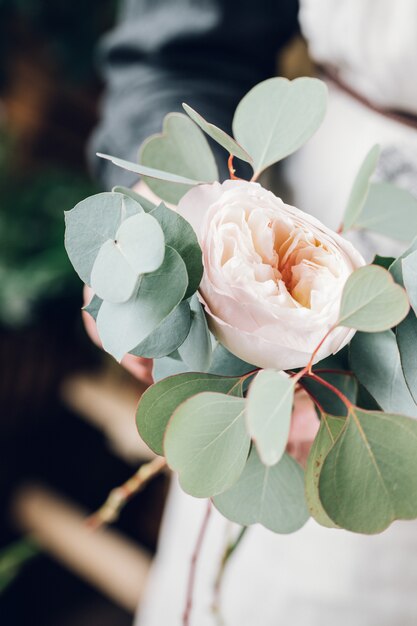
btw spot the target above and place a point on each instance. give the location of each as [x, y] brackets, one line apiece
[222, 138]
[271, 496]
[277, 116]
[406, 334]
[182, 149]
[196, 349]
[390, 211]
[375, 359]
[180, 235]
[159, 402]
[150, 172]
[124, 326]
[369, 477]
[396, 269]
[207, 444]
[360, 188]
[371, 301]
[268, 413]
[146, 204]
[409, 265]
[92, 222]
[168, 336]
[329, 431]
[93, 307]
[225, 363]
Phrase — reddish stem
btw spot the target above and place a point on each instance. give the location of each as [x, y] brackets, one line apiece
[335, 390]
[326, 370]
[193, 566]
[232, 170]
[314, 399]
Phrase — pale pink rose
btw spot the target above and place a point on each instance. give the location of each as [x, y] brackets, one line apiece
[273, 275]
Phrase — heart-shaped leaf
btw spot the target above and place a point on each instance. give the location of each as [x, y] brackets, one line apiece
[375, 359]
[138, 248]
[181, 149]
[268, 413]
[159, 402]
[329, 431]
[371, 301]
[90, 224]
[168, 336]
[222, 138]
[271, 496]
[369, 477]
[180, 235]
[207, 444]
[123, 326]
[277, 116]
[196, 349]
[390, 211]
[360, 187]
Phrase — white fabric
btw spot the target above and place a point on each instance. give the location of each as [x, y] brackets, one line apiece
[372, 43]
[317, 576]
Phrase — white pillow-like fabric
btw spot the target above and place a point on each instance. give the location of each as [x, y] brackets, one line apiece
[371, 43]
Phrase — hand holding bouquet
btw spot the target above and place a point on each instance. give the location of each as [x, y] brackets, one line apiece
[243, 301]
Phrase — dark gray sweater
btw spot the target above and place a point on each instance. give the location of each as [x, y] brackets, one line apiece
[207, 53]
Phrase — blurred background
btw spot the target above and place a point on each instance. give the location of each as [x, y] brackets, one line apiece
[60, 399]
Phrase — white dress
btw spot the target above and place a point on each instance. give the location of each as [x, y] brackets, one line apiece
[317, 576]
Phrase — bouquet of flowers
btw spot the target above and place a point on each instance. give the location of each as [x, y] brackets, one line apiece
[244, 302]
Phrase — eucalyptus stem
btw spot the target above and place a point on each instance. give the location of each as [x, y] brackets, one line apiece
[118, 497]
[228, 552]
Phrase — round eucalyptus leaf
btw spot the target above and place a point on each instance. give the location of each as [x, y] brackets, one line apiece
[196, 349]
[371, 301]
[141, 240]
[182, 149]
[369, 477]
[268, 413]
[207, 444]
[91, 223]
[277, 116]
[112, 278]
[146, 204]
[271, 496]
[159, 402]
[123, 326]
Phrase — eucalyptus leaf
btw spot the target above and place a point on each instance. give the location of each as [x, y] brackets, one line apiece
[124, 326]
[93, 307]
[225, 363]
[91, 223]
[168, 336]
[277, 116]
[207, 444]
[182, 149]
[159, 402]
[360, 188]
[375, 359]
[390, 211]
[168, 366]
[222, 138]
[150, 172]
[396, 269]
[369, 477]
[112, 277]
[146, 204]
[409, 266]
[406, 334]
[371, 301]
[196, 349]
[268, 413]
[330, 427]
[271, 496]
[180, 235]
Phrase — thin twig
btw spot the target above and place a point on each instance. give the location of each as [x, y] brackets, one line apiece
[229, 551]
[193, 566]
[118, 497]
[348, 404]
